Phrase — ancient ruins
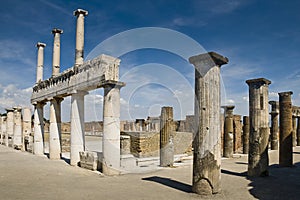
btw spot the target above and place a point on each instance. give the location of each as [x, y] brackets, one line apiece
[206, 136]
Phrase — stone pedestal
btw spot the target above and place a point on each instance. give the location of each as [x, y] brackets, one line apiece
[286, 128]
[56, 52]
[9, 126]
[38, 137]
[274, 124]
[166, 138]
[246, 130]
[40, 62]
[77, 126]
[111, 129]
[207, 133]
[228, 132]
[79, 36]
[17, 138]
[55, 129]
[258, 159]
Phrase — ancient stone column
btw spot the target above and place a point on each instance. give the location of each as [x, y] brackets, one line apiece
[246, 130]
[228, 132]
[17, 138]
[298, 131]
[79, 36]
[207, 132]
[55, 129]
[274, 124]
[294, 118]
[38, 137]
[56, 52]
[258, 159]
[111, 129]
[40, 62]
[9, 125]
[166, 138]
[286, 129]
[26, 125]
[1, 131]
[77, 126]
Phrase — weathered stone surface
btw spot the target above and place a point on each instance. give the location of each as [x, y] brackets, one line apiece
[246, 130]
[228, 132]
[38, 146]
[79, 36]
[9, 126]
[207, 135]
[286, 129]
[56, 52]
[125, 144]
[26, 126]
[89, 160]
[166, 137]
[258, 159]
[40, 62]
[274, 124]
[17, 137]
[237, 134]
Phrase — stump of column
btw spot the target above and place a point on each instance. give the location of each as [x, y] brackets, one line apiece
[258, 159]
[77, 126]
[274, 124]
[246, 130]
[228, 132]
[55, 128]
[38, 135]
[286, 129]
[9, 126]
[111, 129]
[17, 138]
[166, 138]
[207, 133]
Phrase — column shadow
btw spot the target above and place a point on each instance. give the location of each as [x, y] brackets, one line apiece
[170, 183]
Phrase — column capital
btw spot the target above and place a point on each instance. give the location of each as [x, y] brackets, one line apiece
[17, 108]
[110, 83]
[80, 11]
[57, 99]
[78, 92]
[40, 44]
[228, 109]
[56, 30]
[258, 81]
[204, 62]
[9, 109]
[285, 94]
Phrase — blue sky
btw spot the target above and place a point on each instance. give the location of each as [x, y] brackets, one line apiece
[260, 38]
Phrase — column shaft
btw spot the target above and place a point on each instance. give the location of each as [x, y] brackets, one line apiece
[77, 126]
[294, 132]
[298, 131]
[40, 62]
[79, 51]
[228, 132]
[17, 138]
[38, 137]
[56, 52]
[26, 126]
[246, 130]
[9, 126]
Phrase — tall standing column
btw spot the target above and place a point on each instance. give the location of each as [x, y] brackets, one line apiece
[286, 129]
[294, 118]
[79, 51]
[246, 130]
[38, 137]
[111, 129]
[228, 132]
[40, 61]
[258, 159]
[9, 126]
[274, 124]
[77, 126]
[56, 52]
[17, 139]
[207, 135]
[26, 126]
[166, 140]
[55, 128]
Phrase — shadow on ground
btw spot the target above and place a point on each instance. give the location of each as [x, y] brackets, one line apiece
[170, 183]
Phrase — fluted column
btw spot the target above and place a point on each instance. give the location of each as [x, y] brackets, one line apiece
[55, 128]
[40, 61]
[38, 137]
[207, 135]
[17, 138]
[79, 51]
[77, 126]
[56, 51]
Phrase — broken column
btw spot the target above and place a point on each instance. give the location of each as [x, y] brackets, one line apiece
[274, 124]
[228, 132]
[258, 159]
[246, 130]
[111, 129]
[207, 134]
[17, 138]
[286, 128]
[26, 126]
[40, 62]
[55, 128]
[77, 126]
[38, 136]
[79, 51]
[9, 126]
[166, 138]
[56, 52]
